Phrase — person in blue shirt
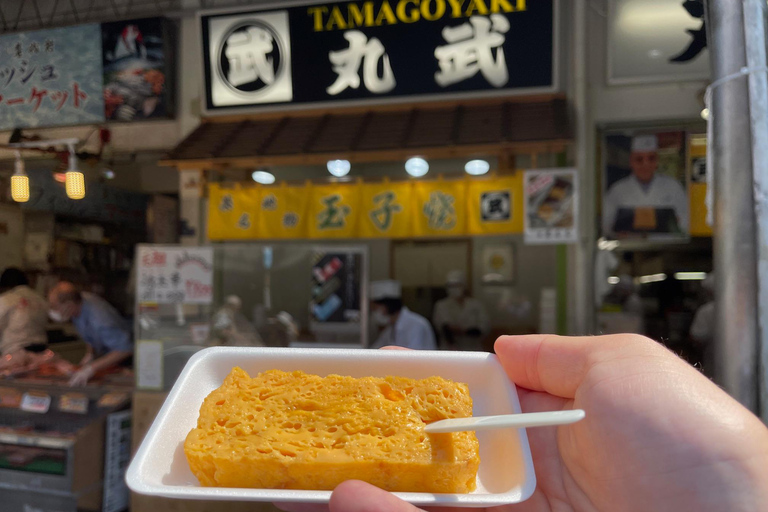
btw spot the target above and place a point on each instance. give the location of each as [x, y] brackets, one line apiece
[97, 323]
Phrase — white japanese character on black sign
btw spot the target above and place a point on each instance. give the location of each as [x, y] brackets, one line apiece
[470, 50]
[365, 52]
[247, 54]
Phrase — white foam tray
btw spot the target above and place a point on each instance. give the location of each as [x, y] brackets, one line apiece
[505, 475]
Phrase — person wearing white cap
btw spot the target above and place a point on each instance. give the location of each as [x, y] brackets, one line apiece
[401, 327]
[230, 327]
[461, 321]
[644, 194]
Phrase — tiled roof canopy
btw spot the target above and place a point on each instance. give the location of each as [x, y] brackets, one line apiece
[376, 133]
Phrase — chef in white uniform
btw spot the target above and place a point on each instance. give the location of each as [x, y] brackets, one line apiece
[461, 321]
[400, 326]
[645, 188]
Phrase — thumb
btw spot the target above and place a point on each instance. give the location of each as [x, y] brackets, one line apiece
[356, 496]
[558, 364]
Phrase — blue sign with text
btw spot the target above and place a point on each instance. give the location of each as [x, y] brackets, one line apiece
[51, 77]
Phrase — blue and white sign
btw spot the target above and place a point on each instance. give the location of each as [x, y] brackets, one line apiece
[51, 77]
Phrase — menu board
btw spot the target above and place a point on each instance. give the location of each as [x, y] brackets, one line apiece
[174, 275]
[551, 208]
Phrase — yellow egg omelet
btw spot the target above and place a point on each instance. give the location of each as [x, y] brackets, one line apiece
[283, 430]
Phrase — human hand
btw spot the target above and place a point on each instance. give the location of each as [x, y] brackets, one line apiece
[658, 435]
[81, 377]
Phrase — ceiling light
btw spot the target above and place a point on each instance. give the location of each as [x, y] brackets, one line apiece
[690, 276]
[613, 280]
[652, 278]
[339, 168]
[416, 167]
[75, 181]
[705, 114]
[263, 177]
[477, 167]
[108, 174]
[19, 182]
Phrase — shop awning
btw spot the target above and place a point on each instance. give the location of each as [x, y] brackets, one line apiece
[390, 133]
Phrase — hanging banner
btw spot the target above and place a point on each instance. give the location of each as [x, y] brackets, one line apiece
[495, 207]
[405, 209]
[697, 191]
[551, 206]
[356, 51]
[232, 213]
[282, 212]
[51, 77]
[333, 211]
[385, 210]
[442, 209]
[174, 275]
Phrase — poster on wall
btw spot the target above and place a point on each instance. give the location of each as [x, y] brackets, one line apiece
[357, 51]
[336, 284]
[135, 63]
[51, 77]
[644, 186]
[174, 275]
[551, 206]
[656, 41]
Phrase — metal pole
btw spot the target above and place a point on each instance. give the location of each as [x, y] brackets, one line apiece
[755, 23]
[736, 334]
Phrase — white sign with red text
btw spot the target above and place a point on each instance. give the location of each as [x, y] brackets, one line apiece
[174, 275]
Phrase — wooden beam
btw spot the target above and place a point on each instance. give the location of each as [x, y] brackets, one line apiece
[340, 110]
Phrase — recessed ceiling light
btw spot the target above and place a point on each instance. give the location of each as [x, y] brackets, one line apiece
[416, 167]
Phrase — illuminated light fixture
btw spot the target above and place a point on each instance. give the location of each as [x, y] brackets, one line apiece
[416, 167]
[108, 174]
[338, 168]
[690, 276]
[652, 278]
[477, 167]
[75, 180]
[263, 177]
[19, 181]
[613, 280]
[705, 114]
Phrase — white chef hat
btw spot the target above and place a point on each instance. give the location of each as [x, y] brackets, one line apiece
[388, 289]
[455, 277]
[645, 143]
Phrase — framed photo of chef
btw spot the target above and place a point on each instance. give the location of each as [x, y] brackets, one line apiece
[645, 188]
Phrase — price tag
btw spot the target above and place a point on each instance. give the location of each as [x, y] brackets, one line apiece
[112, 399]
[73, 402]
[36, 402]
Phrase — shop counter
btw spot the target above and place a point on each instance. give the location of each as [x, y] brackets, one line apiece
[62, 448]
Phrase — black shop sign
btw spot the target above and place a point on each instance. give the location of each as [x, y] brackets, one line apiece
[377, 50]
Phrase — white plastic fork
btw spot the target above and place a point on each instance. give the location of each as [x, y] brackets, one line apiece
[533, 419]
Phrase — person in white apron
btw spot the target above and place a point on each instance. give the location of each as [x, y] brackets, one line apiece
[461, 321]
[645, 196]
